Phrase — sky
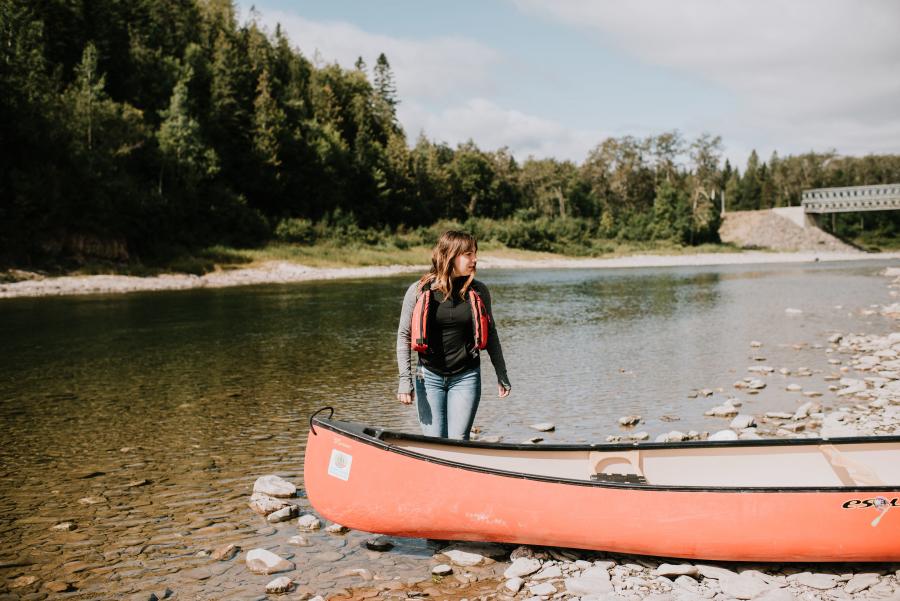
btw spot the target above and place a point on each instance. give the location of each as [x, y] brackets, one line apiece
[554, 78]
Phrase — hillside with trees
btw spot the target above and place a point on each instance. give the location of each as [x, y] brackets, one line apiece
[136, 131]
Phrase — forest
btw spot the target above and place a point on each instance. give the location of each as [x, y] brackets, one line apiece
[140, 130]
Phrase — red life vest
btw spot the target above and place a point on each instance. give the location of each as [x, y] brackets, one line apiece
[419, 331]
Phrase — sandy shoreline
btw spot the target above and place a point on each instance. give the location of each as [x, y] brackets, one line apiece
[282, 272]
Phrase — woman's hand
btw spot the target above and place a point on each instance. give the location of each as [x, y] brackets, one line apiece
[502, 391]
[406, 397]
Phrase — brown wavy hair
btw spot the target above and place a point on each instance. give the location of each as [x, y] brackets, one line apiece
[450, 245]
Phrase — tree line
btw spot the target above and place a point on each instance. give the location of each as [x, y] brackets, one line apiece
[144, 128]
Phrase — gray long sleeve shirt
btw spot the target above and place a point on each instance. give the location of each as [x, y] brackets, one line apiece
[405, 353]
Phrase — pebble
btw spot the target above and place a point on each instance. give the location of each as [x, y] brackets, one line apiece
[629, 420]
[282, 584]
[92, 500]
[684, 569]
[817, 581]
[65, 527]
[742, 586]
[298, 540]
[742, 421]
[861, 582]
[463, 558]
[58, 586]
[543, 427]
[22, 582]
[263, 504]
[544, 588]
[442, 569]
[522, 566]
[336, 529]
[514, 585]
[724, 435]
[308, 522]
[547, 573]
[261, 561]
[379, 543]
[274, 486]
[225, 552]
[284, 514]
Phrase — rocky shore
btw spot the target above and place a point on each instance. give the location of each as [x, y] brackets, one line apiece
[267, 543]
[866, 404]
[282, 272]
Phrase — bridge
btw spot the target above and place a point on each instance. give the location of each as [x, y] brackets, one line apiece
[884, 197]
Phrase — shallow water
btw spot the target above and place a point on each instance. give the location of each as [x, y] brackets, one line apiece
[166, 406]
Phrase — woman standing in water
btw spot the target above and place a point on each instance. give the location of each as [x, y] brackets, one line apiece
[446, 318]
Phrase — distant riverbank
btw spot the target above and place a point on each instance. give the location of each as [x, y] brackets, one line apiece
[284, 272]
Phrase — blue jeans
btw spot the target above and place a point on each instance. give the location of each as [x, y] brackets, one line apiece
[447, 404]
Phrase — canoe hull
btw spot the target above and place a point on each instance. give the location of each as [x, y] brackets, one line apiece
[372, 488]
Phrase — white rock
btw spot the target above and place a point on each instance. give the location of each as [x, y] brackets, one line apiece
[743, 586]
[281, 584]
[687, 583]
[514, 585]
[792, 311]
[684, 569]
[274, 486]
[805, 409]
[548, 573]
[724, 435]
[263, 504]
[793, 388]
[462, 558]
[544, 588]
[714, 572]
[543, 427]
[308, 522]
[755, 343]
[861, 582]
[756, 384]
[779, 414]
[283, 514]
[261, 561]
[442, 569]
[818, 581]
[522, 566]
[742, 421]
[336, 529]
[299, 540]
[776, 594]
[629, 420]
[589, 585]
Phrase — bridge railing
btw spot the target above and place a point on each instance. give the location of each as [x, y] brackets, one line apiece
[883, 197]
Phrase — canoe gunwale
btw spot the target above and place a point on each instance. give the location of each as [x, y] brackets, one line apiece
[374, 437]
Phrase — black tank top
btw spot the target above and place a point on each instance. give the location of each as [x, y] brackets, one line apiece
[452, 337]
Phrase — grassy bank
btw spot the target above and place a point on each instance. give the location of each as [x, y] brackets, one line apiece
[331, 253]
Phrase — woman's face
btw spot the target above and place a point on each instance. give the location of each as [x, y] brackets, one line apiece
[464, 264]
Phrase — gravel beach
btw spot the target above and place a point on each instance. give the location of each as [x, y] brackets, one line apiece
[280, 272]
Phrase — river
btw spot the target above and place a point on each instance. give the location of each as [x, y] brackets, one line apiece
[145, 418]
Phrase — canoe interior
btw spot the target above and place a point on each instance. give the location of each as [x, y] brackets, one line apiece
[825, 464]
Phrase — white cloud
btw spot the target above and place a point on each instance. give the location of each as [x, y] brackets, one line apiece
[492, 127]
[442, 83]
[807, 73]
[434, 69]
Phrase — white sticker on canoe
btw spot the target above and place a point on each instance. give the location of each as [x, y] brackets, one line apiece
[339, 465]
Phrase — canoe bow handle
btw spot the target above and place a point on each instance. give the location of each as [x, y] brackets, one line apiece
[313, 416]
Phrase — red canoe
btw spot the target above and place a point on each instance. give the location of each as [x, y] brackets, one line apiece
[755, 500]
